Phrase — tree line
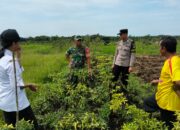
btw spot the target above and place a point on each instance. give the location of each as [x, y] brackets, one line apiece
[97, 38]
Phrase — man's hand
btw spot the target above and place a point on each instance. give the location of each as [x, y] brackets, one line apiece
[130, 69]
[155, 82]
[178, 93]
[18, 53]
[32, 87]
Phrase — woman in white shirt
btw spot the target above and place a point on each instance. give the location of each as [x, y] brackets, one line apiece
[10, 43]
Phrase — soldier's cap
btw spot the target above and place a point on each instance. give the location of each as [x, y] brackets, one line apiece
[77, 38]
[123, 31]
[8, 36]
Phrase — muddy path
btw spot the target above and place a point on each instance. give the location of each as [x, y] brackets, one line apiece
[148, 67]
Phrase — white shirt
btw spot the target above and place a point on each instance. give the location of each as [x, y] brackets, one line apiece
[124, 55]
[7, 84]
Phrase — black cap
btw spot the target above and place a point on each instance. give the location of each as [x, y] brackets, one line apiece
[8, 36]
[123, 31]
[77, 38]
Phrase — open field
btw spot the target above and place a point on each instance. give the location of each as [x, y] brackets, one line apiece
[59, 106]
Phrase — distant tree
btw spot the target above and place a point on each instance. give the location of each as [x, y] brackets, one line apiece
[54, 38]
[42, 38]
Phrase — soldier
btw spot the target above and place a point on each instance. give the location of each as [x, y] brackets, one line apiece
[8, 84]
[77, 57]
[124, 57]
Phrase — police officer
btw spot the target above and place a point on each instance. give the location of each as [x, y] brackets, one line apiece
[78, 55]
[124, 57]
[8, 84]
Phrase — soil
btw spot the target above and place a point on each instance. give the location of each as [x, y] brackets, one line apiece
[148, 68]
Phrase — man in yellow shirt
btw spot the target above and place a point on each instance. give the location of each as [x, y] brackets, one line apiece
[167, 96]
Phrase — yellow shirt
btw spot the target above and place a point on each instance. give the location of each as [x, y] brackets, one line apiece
[165, 96]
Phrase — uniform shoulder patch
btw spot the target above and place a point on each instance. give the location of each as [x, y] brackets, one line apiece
[130, 40]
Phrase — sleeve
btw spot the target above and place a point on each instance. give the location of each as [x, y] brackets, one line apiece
[176, 71]
[11, 76]
[133, 52]
[69, 52]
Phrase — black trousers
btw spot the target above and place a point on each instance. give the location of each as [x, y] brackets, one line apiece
[150, 105]
[26, 114]
[121, 71]
[118, 72]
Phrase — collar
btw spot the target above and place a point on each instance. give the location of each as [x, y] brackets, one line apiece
[8, 52]
[125, 41]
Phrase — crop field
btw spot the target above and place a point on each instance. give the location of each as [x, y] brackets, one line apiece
[94, 103]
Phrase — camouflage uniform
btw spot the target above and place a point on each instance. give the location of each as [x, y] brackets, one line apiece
[123, 59]
[78, 57]
[78, 60]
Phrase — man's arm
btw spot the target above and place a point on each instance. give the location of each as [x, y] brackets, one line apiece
[32, 87]
[89, 62]
[156, 82]
[115, 56]
[68, 58]
[132, 56]
[88, 58]
[20, 82]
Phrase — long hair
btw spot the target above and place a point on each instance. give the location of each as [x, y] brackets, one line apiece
[5, 44]
[1, 53]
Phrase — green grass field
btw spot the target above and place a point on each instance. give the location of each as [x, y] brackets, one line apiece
[40, 60]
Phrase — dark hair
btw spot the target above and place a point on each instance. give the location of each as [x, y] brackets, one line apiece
[169, 43]
[8, 37]
[1, 53]
[6, 44]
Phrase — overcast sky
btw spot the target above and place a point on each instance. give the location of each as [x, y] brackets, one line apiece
[106, 17]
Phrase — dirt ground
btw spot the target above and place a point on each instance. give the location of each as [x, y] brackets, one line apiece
[148, 67]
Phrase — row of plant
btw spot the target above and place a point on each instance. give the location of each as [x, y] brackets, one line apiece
[76, 101]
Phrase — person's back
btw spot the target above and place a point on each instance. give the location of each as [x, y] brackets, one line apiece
[166, 96]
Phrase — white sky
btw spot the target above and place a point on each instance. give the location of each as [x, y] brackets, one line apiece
[106, 17]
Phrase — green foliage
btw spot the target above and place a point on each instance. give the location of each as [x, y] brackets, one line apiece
[117, 101]
[82, 103]
[84, 122]
[21, 125]
[25, 125]
[137, 119]
[6, 127]
[177, 123]
[88, 103]
[49, 120]
[137, 91]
